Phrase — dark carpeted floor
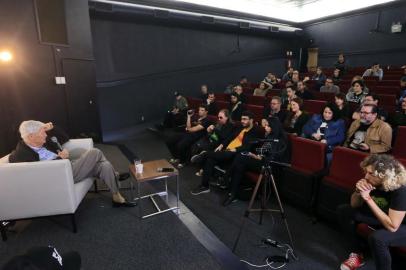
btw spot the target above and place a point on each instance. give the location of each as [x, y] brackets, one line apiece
[319, 246]
[111, 238]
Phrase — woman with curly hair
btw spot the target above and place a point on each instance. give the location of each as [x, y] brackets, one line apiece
[379, 200]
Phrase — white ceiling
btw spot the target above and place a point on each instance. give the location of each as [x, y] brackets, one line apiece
[289, 10]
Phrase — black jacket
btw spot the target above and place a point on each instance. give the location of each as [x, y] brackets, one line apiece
[23, 153]
[247, 142]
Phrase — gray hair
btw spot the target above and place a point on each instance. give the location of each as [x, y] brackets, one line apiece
[388, 169]
[29, 127]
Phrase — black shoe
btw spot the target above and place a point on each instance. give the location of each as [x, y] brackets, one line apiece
[124, 204]
[200, 190]
[198, 158]
[123, 176]
[230, 199]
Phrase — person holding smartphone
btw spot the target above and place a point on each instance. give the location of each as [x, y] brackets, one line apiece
[379, 200]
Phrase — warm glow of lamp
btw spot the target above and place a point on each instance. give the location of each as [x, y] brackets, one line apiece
[6, 56]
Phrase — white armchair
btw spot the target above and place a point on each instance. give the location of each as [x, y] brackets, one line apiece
[45, 188]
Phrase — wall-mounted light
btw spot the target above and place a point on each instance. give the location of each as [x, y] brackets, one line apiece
[5, 56]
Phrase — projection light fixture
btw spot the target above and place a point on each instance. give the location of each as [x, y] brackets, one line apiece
[5, 56]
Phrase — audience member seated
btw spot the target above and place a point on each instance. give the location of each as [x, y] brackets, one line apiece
[215, 135]
[236, 107]
[283, 93]
[342, 105]
[239, 141]
[379, 201]
[402, 89]
[179, 143]
[374, 100]
[341, 64]
[240, 94]
[374, 71]
[272, 80]
[204, 92]
[274, 110]
[356, 94]
[358, 78]
[288, 75]
[302, 91]
[296, 118]
[211, 104]
[243, 81]
[295, 77]
[319, 77]
[369, 133]
[399, 118]
[37, 146]
[174, 117]
[290, 95]
[326, 128]
[263, 89]
[229, 88]
[336, 76]
[252, 161]
[329, 87]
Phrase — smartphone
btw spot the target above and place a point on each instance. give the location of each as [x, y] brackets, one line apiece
[165, 169]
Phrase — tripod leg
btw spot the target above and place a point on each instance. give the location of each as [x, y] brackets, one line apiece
[283, 215]
[247, 212]
[263, 202]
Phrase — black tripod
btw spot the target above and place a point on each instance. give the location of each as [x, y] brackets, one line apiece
[264, 179]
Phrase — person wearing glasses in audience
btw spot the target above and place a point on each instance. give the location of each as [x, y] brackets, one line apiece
[369, 133]
[379, 201]
[240, 141]
[374, 100]
[329, 87]
[296, 117]
[274, 109]
[251, 161]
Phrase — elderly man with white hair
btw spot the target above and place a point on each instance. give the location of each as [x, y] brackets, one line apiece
[35, 146]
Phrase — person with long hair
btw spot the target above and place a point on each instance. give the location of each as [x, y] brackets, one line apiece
[296, 118]
[326, 127]
[379, 200]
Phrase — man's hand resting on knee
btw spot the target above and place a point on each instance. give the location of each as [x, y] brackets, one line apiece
[64, 154]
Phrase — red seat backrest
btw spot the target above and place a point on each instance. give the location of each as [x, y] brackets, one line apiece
[256, 100]
[399, 147]
[386, 90]
[323, 96]
[387, 100]
[194, 103]
[258, 111]
[222, 104]
[307, 156]
[345, 168]
[313, 106]
[222, 97]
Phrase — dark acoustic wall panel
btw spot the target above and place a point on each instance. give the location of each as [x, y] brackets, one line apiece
[51, 20]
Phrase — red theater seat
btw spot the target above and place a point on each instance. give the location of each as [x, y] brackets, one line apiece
[386, 90]
[387, 100]
[329, 97]
[300, 182]
[222, 104]
[399, 147]
[258, 111]
[256, 100]
[222, 97]
[313, 106]
[337, 186]
[389, 83]
[194, 103]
